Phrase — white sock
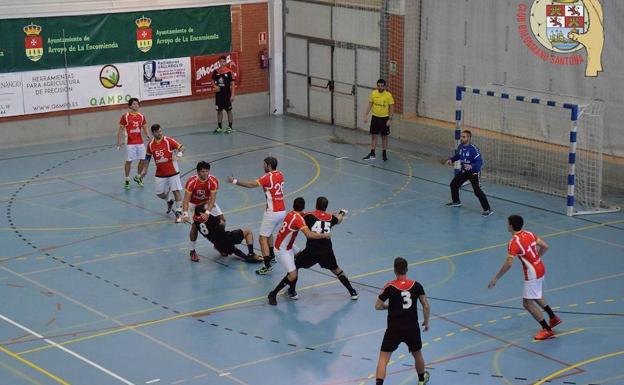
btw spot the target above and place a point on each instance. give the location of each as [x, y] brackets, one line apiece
[192, 244]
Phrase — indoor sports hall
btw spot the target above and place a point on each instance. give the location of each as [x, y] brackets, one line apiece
[96, 283]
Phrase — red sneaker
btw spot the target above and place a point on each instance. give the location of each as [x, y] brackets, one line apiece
[555, 321]
[544, 334]
[194, 256]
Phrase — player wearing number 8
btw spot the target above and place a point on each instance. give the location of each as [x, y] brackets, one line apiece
[272, 182]
[401, 295]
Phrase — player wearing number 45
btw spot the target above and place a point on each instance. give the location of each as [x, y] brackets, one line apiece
[272, 182]
[166, 152]
[401, 295]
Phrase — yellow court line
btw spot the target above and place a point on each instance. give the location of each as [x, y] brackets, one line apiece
[574, 366]
[32, 365]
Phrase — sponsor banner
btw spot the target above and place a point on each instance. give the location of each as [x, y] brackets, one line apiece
[11, 99]
[204, 66]
[166, 78]
[94, 86]
[41, 43]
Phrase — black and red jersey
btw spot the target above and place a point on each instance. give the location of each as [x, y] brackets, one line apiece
[402, 296]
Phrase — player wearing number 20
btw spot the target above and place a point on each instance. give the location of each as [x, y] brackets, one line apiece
[401, 295]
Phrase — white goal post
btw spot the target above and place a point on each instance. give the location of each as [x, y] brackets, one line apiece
[537, 141]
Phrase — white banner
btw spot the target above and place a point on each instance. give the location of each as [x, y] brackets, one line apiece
[81, 87]
[165, 78]
[11, 98]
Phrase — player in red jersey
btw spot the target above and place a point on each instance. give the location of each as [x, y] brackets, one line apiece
[286, 249]
[200, 189]
[401, 295]
[166, 151]
[529, 248]
[272, 182]
[134, 124]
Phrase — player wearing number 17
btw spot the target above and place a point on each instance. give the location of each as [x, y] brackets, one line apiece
[272, 182]
[401, 295]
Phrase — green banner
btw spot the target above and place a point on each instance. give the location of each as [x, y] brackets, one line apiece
[76, 41]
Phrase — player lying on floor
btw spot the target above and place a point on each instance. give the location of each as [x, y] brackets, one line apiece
[213, 229]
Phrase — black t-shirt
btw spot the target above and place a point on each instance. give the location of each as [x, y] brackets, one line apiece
[320, 222]
[215, 233]
[402, 296]
[223, 79]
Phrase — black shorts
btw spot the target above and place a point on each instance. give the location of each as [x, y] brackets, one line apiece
[378, 126]
[228, 240]
[393, 338]
[309, 257]
[222, 101]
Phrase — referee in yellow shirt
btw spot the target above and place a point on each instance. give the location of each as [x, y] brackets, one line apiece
[381, 104]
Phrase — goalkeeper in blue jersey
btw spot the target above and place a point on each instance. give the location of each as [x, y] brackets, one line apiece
[471, 161]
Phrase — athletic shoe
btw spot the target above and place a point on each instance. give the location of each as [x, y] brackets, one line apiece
[178, 215]
[273, 261]
[354, 294]
[292, 294]
[218, 130]
[169, 206]
[194, 256]
[139, 180]
[228, 130]
[453, 204]
[370, 156]
[272, 299]
[555, 321]
[544, 334]
[425, 380]
[253, 258]
[127, 185]
[487, 213]
[264, 270]
[384, 156]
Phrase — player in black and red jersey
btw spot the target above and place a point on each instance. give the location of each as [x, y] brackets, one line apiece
[213, 229]
[321, 251]
[401, 295]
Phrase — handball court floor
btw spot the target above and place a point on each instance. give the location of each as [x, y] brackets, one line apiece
[97, 287]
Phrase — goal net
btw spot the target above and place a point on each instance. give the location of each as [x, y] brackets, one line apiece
[537, 141]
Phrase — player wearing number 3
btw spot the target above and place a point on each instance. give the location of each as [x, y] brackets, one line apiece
[401, 295]
[272, 182]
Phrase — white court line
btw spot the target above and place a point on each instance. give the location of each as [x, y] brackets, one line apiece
[81, 358]
[342, 157]
[152, 381]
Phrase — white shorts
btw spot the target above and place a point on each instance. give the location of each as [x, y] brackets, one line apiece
[135, 152]
[287, 258]
[270, 221]
[171, 183]
[215, 212]
[533, 288]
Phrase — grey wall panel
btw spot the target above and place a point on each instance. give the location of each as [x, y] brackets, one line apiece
[320, 61]
[356, 26]
[320, 105]
[344, 65]
[296, 55]
[308, 19]
[367, 67]
[297, 94]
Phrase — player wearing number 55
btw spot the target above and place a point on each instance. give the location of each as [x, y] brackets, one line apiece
[272, 182]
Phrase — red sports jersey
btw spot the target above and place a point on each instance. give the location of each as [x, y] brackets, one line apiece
[524, 245]
[273, 185]
[201, 189]
[133, 124]
[291, 226]
[162, 151]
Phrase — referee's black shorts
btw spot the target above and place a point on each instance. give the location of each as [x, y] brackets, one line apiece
[378, 125]
[393, 338]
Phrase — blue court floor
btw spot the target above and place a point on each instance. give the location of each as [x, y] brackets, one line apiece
[97, 287]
